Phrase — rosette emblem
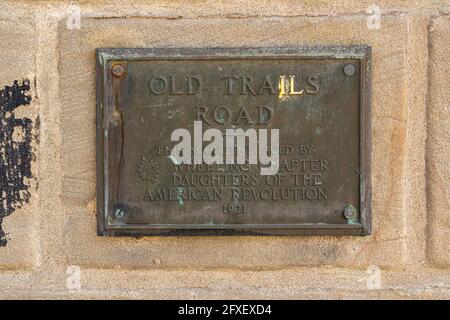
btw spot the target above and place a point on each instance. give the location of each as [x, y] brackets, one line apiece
[148, 170]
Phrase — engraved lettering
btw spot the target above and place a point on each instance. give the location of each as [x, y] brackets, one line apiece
[173, 86]
[292, 86]
[267, 84]
[243, 114]
[200, 114]
[246, 85]
[219, 114]
[313, 82]
[194, 85]
[158, 85]
[229, 82]
[265, 114]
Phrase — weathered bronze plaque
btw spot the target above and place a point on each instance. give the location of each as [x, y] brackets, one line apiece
[234, 141]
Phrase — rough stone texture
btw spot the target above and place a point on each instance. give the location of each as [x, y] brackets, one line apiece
[245, 8]
[56, 233]
[17, 56]
[385, 247]
[439, 142]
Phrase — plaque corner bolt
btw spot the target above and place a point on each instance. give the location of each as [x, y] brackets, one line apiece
[349, 69]
[349, 212]
[118, 69]
[119, 213]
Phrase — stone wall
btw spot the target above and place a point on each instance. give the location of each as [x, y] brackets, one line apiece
[51, 249]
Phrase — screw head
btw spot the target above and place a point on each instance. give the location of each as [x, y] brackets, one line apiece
[349, 69]
[349, 212]
[119, 213]
[118, 69]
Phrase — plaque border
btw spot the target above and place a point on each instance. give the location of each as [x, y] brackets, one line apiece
[363, 53]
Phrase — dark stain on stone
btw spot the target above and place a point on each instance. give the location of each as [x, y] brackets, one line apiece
[15, 151]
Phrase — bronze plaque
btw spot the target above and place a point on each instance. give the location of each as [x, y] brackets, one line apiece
[233, 141]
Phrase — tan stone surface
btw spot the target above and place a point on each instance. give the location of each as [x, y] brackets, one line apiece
[292, 283]
[385, 247]
[57, 231]
[439, 142]
[17, 60]
[239, 8]
[416, 134]
[17, 51]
